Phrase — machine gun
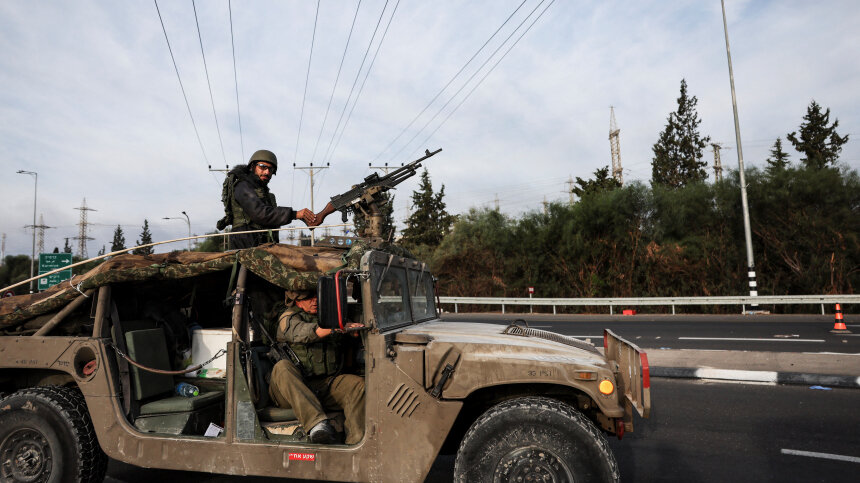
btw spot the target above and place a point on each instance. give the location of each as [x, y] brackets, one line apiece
[366, 198]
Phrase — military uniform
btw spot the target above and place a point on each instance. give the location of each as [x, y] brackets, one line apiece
[249, 205]
[322, 385]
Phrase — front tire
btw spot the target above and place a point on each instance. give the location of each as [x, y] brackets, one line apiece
[534, 439]
[46, 435]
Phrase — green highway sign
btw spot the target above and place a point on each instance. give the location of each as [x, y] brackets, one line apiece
[52, 261]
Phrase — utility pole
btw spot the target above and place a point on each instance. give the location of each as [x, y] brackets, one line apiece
[2, 249]
[615, 147]
[569, 184]
[744, 203]
[718, 166]
[82, 230]
[497, 202]
[312, 170]
[35, 197]
[545, 206]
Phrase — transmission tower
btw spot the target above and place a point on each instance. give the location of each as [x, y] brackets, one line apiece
[41, 234]
[614, 146]
[82, 230]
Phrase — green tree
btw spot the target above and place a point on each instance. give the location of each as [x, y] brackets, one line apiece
[601, 182]
[388, 228]
[818, 142]
[67, 248]
[118, 242]
[15, 268]
[778, 159]
[211, 244]
[429, 221]
[145, 239]
[678, 152]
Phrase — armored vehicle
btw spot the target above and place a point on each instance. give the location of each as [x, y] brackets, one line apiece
[89, 369]
[512, 402]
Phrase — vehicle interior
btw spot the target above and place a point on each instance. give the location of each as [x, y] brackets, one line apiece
[169, 325]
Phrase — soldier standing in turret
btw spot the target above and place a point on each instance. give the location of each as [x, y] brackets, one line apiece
[249, 205]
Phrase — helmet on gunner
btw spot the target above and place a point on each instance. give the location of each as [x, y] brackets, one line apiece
[291, 296]
[266, 156]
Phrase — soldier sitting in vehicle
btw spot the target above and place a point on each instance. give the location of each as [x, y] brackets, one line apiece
[319, 383]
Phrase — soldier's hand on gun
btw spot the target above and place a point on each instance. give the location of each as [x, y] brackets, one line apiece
[307, 216]
[329, 209]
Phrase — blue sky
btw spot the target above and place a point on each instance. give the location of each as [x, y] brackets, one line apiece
[90, 99]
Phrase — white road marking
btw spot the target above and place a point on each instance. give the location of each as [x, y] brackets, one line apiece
[827, 456]
[834, 353]
[737, 375]
[750, 340]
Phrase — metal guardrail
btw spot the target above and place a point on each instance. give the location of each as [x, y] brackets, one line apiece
[742, 300]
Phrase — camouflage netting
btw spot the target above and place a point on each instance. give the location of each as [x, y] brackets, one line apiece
[288, 267]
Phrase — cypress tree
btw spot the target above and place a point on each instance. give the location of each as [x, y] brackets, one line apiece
[145, 239]
[429, 221]
[678, 152]
[778, 159]
[819, 143]
[67, 248]
[118, 242]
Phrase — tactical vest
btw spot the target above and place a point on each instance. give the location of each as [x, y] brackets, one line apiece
[234, 214]
[321, 358]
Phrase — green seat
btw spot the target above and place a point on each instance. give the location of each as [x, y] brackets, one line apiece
[180, 404]
[160, 410]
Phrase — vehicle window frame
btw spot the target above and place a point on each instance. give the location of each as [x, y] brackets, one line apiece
[382, 323]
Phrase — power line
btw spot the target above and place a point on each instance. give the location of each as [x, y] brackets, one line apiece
[336, 79]
[307, 76]
[206, 69]
[488, 72]
[355, 81]
[236, 79]
[182, 87]
[449, 82]
[490, 57]
[364, 81]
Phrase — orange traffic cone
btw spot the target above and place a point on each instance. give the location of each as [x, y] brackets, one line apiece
[839, 324]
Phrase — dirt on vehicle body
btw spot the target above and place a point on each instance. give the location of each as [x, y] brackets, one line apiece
[510, 401]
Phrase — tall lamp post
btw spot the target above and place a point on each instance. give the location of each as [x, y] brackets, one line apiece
[744, 204]
[35, 193]
[187, 220]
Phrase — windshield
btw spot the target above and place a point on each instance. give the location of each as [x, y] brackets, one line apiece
[401, 296]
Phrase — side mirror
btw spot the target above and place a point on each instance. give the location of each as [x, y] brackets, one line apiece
[331, 302]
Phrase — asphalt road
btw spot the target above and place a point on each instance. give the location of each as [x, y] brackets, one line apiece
[698, 431]
[772, 333]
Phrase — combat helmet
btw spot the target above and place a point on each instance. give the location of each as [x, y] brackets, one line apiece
[266, 156]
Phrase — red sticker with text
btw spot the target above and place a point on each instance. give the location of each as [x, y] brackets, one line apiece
[303, 457]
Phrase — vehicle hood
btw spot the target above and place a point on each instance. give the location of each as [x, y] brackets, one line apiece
[482, 355]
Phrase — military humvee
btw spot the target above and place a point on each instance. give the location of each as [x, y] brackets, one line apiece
[512, 402]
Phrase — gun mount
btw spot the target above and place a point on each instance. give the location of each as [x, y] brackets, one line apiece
[365, 199]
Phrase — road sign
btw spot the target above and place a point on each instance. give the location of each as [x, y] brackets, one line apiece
[531, 290]
[53, 261]
[9, 293]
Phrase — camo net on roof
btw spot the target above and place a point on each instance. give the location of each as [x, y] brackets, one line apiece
[288, 267]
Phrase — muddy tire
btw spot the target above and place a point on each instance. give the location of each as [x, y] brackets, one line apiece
[46, 435]
[534, 439]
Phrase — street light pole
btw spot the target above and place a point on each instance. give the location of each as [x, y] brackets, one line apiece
[188, 220]
[744, 204]
[35, 193]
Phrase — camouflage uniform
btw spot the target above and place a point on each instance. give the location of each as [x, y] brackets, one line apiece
[324, 386]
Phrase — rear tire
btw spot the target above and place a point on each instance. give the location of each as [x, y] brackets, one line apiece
[534, 439]
[46, 435]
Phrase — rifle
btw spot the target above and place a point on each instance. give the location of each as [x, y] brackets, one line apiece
[282, 351]
[366, 198]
